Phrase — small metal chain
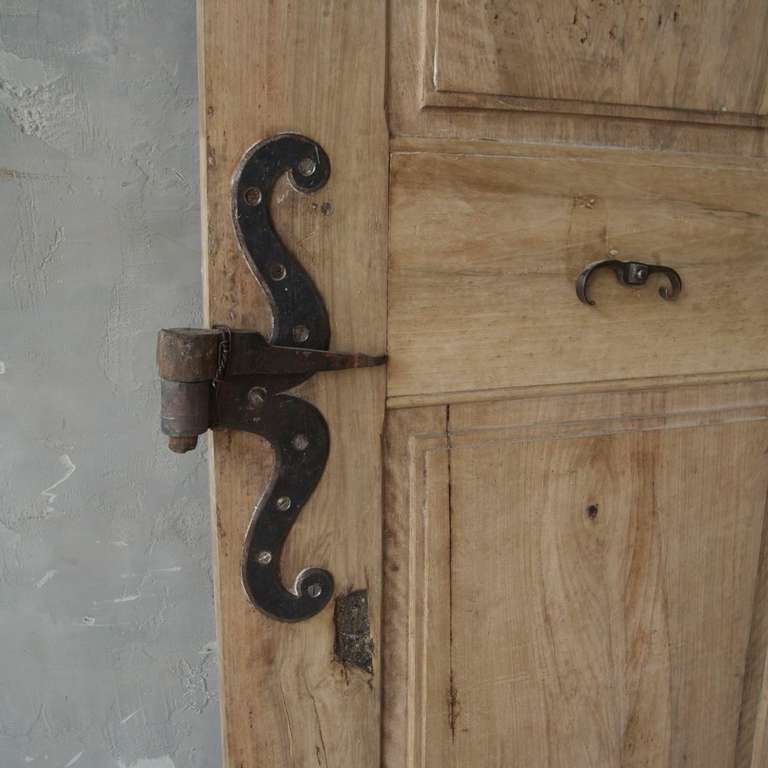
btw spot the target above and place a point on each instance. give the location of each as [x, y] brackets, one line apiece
[225, 345]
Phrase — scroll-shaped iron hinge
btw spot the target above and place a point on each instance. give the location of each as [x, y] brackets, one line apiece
[224, 378]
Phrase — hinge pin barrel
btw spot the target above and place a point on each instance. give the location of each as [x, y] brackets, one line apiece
[190, 363]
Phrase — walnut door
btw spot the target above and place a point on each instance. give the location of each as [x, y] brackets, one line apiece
[555, 512]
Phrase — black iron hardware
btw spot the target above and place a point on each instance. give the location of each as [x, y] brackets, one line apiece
[630, 273]
[223, 378]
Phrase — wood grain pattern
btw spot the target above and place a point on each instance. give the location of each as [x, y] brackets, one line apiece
[676, 55]
[403, 661]
[752, 746]
[285, 702]
[416, 108]
[485, 251]
[619, 637]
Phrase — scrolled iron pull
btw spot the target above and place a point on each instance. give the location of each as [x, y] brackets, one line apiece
[630, 273]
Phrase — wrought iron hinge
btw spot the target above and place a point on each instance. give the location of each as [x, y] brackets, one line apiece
[222, 378]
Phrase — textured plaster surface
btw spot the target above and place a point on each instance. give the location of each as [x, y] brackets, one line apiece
[106, 619]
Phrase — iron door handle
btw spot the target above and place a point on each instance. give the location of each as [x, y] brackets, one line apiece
[630, 273]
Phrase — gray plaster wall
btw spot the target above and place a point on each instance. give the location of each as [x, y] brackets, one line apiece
[106, 610]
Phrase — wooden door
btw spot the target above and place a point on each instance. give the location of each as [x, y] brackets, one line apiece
[552, 515]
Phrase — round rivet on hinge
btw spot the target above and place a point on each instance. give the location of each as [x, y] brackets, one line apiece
[307, 166]
[277, 271]
[300, 333]
[252, 196]
[256, 397]
[283, 503]
[264, 558]
[300, 442]
[314, 590]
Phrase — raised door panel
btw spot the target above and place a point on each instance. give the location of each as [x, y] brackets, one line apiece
[578, 581]
[633, 58]
[658, 74]
[486, 244]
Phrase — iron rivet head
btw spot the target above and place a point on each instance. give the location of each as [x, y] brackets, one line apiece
[264, 557]
[257, 396]
[314, 590]
[283, 503]
[300, 442]
[252, 196]
[300, 333]
[307, 166]
[641, 273]
[277, 271]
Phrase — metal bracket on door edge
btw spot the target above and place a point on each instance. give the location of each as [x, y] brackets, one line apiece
[223, 378]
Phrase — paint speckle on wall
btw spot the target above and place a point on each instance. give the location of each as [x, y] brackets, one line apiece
[151, 762]
[127, 718]
[46, 577]
[69, 469]
[74, 760]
